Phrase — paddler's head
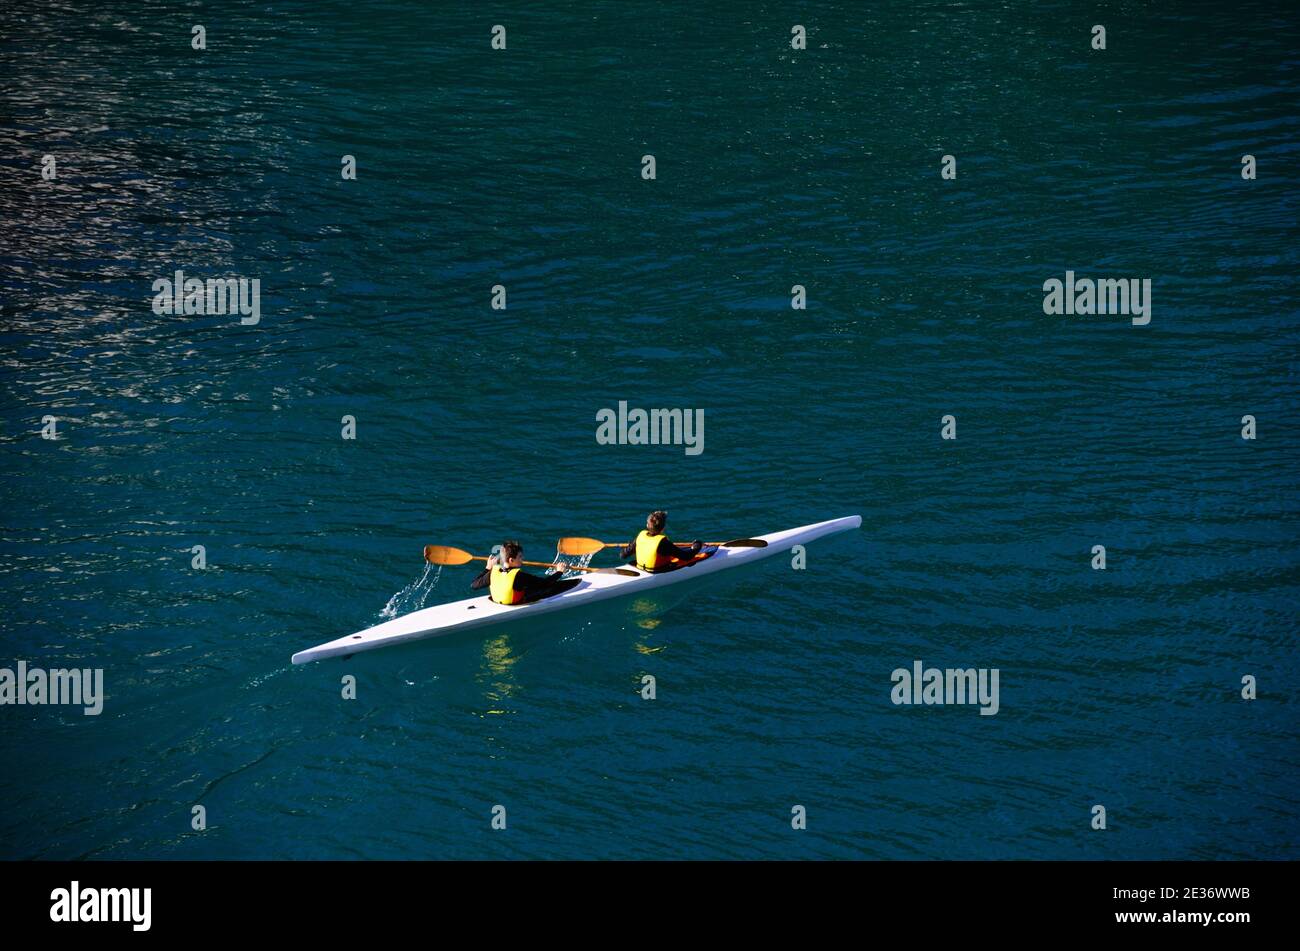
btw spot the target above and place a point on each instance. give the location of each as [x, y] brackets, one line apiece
[655, 522]
[512, 554]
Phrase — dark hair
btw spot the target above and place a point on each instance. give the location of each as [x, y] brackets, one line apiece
[657, 521]
[511, 549]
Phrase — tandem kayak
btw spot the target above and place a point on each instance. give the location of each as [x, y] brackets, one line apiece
[482, 612]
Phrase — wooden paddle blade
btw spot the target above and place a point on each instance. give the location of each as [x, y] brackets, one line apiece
[745, 543]
[579, 546]
[442, 555]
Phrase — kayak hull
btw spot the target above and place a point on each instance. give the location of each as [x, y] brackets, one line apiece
[472, 613]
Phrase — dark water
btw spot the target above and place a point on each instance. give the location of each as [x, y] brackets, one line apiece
[775, 167]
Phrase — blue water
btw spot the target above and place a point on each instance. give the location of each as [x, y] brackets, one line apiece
[775, 167]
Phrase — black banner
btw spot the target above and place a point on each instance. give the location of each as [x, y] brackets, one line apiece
[335, 900]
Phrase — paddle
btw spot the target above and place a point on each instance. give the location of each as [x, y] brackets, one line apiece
[443, 555]
[588, 546]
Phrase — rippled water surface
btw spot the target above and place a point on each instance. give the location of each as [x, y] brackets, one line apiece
[775, 167]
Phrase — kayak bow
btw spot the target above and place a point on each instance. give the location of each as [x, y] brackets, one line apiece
[482, 612]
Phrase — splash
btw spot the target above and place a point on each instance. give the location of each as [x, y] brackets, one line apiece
[415, 595]
[582, 561]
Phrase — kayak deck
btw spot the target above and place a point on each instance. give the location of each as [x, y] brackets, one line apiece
[471, 613]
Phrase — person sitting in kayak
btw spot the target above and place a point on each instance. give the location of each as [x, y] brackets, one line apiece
[508, 583]
[653, 551]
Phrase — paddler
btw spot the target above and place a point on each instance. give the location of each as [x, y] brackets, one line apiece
[652, 550]
[508, 583]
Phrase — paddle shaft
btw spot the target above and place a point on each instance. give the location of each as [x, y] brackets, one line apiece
[537, 564]
[573, 545]
[547, 564]
[629, 544]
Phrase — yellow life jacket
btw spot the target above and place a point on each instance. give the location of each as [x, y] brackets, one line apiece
[647, 552]
[501, 586]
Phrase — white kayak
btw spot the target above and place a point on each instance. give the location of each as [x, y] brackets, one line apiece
[594, 587]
